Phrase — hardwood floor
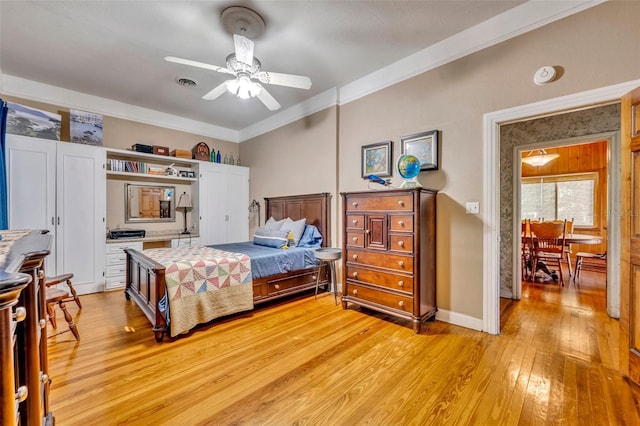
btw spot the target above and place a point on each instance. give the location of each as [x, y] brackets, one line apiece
[310, 362]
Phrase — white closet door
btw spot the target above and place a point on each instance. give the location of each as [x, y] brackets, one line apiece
[31, 184]
[81, 208]
[213, 201]
[238, 212]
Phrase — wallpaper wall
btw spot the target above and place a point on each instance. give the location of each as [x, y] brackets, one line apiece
[580, 123]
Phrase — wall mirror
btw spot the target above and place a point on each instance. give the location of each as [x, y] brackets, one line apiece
[149, 203]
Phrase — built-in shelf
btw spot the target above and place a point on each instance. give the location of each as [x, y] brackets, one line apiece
[131, 161]
[147, 177]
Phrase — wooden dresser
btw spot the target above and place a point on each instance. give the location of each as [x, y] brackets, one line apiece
[24, 397]
[389, 247]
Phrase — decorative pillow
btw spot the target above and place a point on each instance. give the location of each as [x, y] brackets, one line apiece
[274, 224]
[270, 237]
[311, 237]
[296, 227]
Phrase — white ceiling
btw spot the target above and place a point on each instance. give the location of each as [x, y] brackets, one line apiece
[115, 49]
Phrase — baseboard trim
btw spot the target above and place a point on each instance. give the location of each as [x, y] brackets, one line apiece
[461, 320]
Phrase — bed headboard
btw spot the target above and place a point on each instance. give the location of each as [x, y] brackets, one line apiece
[315, 207]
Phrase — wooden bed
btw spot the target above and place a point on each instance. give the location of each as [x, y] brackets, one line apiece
[145, 278]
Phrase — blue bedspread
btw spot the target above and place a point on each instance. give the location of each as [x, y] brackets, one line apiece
[267, 261]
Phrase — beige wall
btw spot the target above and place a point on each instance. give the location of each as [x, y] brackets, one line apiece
[299, 158]
[595, 48]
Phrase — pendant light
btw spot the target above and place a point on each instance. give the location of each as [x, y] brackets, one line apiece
[540, 158]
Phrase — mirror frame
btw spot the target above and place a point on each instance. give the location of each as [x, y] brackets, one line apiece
[172, 207]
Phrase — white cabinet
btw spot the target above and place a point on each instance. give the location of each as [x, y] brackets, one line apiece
[223, 203]
[61, 187]
[116, 263]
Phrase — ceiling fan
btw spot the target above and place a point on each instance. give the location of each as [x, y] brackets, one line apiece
[246, 69]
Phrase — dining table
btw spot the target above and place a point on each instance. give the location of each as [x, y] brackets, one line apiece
[571, 238]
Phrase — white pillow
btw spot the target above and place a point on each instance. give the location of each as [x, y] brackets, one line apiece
[274, 224]
[296, 227]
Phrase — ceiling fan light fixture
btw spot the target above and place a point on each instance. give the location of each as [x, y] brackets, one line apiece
[243, 87]
[539, 159]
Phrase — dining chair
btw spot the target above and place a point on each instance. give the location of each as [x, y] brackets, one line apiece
[58, 296]
[567, 247]
[525, 253]
[547, 244]
[593, 261]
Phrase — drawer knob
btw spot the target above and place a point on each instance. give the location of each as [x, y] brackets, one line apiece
[277, 286]
[44, 378]
[355, 221]
[401, 243]
[42, 323]
[20, 314]
[355, 274]
[367, 231]
[355, 204]
[355, 292]
[313, 277]
[22, 393]
[401, 222]
[400, 283]
[355, 257]
[400, 202]
[401, 303]
[355, 239]
[401, 263]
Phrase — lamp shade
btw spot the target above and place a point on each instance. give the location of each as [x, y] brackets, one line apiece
[539, 159]
[184, 202]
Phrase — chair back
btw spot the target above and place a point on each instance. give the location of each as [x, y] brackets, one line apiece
[548, 236]
[526, 227]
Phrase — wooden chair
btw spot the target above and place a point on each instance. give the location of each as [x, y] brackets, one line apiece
[592, 261]
[567, 247]
[57, 296]
[525, 253]
[547, 244]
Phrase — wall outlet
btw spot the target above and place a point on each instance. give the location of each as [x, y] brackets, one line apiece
[473, 207]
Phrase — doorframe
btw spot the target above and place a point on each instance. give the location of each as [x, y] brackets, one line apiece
[613, 205]
[491, 182]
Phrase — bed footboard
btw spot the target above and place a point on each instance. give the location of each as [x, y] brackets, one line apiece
[145, 285]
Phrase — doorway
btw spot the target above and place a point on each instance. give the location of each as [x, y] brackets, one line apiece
[493, 164]
[583, 161]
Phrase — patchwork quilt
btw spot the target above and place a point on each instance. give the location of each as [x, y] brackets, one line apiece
[203, 283]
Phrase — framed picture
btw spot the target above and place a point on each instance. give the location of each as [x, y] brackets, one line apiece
[424, 146]
[85, 127]
[376, 159]
[33, 122]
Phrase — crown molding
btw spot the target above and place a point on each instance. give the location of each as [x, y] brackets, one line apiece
[41, 92]
[512, 23]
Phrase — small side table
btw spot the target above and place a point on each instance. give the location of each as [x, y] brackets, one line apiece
[329, 256]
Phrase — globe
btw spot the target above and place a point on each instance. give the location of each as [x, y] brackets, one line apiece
[408, 167]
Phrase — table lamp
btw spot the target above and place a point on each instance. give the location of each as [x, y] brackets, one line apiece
[184, 203]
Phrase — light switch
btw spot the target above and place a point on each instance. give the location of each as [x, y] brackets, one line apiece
[473, 207]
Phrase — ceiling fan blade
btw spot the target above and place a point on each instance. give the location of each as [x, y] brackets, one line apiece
[198, 64]
[244, 49]
[217, 92]
[266, 98]
[290, 80]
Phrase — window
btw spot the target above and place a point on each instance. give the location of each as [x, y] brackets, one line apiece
[560, 197]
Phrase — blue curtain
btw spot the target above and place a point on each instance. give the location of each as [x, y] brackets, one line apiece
[4, 215]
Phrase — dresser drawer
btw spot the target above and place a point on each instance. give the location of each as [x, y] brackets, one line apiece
[403, 243]
[355, 239]
[382, 260]
[116, 258]
[389, 280]
[399, 202]
[114, 282]
[400, 223]
[119, 247]
[355, 221]
[114, 270]
[395, 301]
